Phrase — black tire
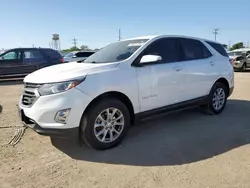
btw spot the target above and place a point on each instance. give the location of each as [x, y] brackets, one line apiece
[88, 120]
[243, 68]
[209, 108]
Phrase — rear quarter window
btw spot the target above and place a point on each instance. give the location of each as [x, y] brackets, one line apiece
[219, 48]
[52, 54]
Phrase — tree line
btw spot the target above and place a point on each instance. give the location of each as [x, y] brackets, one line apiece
[75, 48]
[237, 45]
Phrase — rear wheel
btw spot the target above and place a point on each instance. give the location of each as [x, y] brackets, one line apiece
[217, 99]
[243, 68]
[105, 124]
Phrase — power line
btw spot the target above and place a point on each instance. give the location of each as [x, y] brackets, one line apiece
[74, 41]
[215, 32]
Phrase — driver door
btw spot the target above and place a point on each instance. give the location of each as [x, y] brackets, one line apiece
[10, 63]
[161, 83]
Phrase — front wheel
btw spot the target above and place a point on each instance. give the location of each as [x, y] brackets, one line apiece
[105, 124]
[217, 99]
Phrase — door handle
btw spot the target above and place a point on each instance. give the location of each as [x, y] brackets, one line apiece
[177, 69]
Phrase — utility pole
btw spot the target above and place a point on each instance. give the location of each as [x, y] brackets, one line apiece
[119, 35]
[215, 32]
[229, 45]
[74, 41]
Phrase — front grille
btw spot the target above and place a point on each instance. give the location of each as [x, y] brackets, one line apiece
[30, 94]
[32, 86]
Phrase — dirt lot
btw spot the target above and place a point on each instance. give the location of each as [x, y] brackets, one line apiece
[186, 149]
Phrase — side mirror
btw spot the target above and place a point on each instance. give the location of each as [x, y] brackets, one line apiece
[150, 58]
[74, 56]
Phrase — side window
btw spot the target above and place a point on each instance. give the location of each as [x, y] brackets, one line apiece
[219, 48]
[32, 54]
[167, 48]
[206, 52]
[52, 54]
[194, 49]
[11, 55]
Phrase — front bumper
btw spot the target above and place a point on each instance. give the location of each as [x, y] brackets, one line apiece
[41, 115]
[61, 133]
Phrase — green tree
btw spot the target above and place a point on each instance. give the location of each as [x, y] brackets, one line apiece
[84, 47]
[71, 49]
[237, 46]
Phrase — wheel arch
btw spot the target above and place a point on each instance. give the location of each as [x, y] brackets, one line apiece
[225, 82]
[117, 95]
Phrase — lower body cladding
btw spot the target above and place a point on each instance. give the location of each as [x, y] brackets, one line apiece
[57, 115]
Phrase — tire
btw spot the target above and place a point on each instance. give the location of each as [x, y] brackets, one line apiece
[243, 68]
[210, 108]
[90, 133]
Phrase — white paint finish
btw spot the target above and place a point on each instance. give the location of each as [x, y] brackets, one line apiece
[200, 77]
[45, 108]
[146, 87]
[65, 72]
[160, 85]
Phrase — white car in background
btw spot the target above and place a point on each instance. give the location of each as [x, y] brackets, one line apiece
[126, 80]
[77, 56]
[240, 58]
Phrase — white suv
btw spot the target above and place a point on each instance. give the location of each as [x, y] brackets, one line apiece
[101, 97]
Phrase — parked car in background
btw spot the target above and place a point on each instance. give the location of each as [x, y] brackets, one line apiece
[240, 58]
[77, 56]
[135, 78]
[19, 62]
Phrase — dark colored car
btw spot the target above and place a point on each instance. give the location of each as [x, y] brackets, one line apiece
[20, 62]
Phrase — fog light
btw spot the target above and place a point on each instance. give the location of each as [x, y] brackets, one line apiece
[62, 115]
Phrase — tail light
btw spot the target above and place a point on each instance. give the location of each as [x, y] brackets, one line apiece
[232, 61]
[61, 60]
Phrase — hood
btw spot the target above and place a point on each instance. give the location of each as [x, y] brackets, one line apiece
[66, 71]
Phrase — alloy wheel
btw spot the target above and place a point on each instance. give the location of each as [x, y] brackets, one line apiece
[109, 125]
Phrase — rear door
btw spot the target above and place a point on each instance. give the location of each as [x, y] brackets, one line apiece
[200, 68]
[32, 60]
[52, 57]
[11, 63]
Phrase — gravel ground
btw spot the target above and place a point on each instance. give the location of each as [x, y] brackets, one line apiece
[185, 149]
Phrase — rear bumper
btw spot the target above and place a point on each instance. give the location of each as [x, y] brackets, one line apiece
[230, 91]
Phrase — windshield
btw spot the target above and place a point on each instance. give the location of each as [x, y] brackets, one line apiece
[235, 53]
[117, 51]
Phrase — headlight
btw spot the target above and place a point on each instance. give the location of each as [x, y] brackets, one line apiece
[53, 88]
